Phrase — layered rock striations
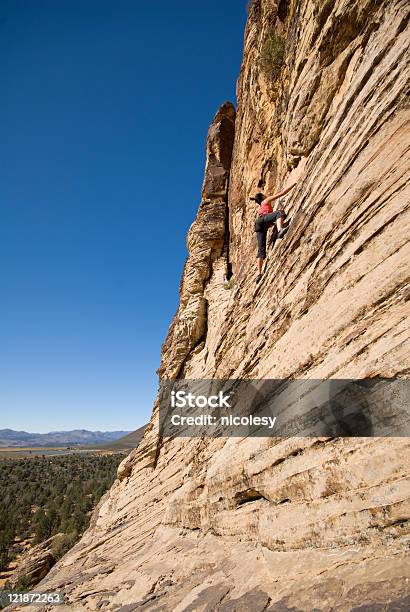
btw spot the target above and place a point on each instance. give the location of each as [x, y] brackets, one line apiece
[207, 248]
[299, 523]
[35, 563]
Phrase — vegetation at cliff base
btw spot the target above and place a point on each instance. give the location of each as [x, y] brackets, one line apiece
[272, 54]
[43, 496]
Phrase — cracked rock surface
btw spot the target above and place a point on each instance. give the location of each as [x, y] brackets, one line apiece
[273, 524]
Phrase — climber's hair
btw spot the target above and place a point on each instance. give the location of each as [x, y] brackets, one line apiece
[258, 198]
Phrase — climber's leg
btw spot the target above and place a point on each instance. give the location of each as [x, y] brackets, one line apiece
[260, 261]
[279, 223]
[261, 237]
[276, 216]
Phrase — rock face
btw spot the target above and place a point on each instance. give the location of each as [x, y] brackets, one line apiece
[206, 241]
[35, 563]
[296, 524]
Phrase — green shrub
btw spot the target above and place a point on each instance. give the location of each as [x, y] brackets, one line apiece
[272, 54]
[228, 284]
[63, 542]
[22, 584]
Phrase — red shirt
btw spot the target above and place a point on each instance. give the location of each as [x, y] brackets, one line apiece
[265, 208]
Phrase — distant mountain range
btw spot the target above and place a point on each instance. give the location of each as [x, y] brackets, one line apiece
[76, 437]
[128, 442]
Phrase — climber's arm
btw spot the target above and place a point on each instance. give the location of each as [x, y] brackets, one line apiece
[279, 194]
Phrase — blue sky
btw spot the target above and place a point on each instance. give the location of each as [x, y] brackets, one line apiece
[105, 107]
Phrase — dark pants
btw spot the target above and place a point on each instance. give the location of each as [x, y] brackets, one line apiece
[262, 224]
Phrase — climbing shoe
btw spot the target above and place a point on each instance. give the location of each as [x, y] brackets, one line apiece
[259, 278]
[282, 232]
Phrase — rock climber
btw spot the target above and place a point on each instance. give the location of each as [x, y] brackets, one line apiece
[265, 219]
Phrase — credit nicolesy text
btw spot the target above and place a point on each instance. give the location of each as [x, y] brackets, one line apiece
[181, 399]
[226, 421]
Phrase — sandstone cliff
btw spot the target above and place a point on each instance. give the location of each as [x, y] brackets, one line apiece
[35, 563]
[297, 524]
